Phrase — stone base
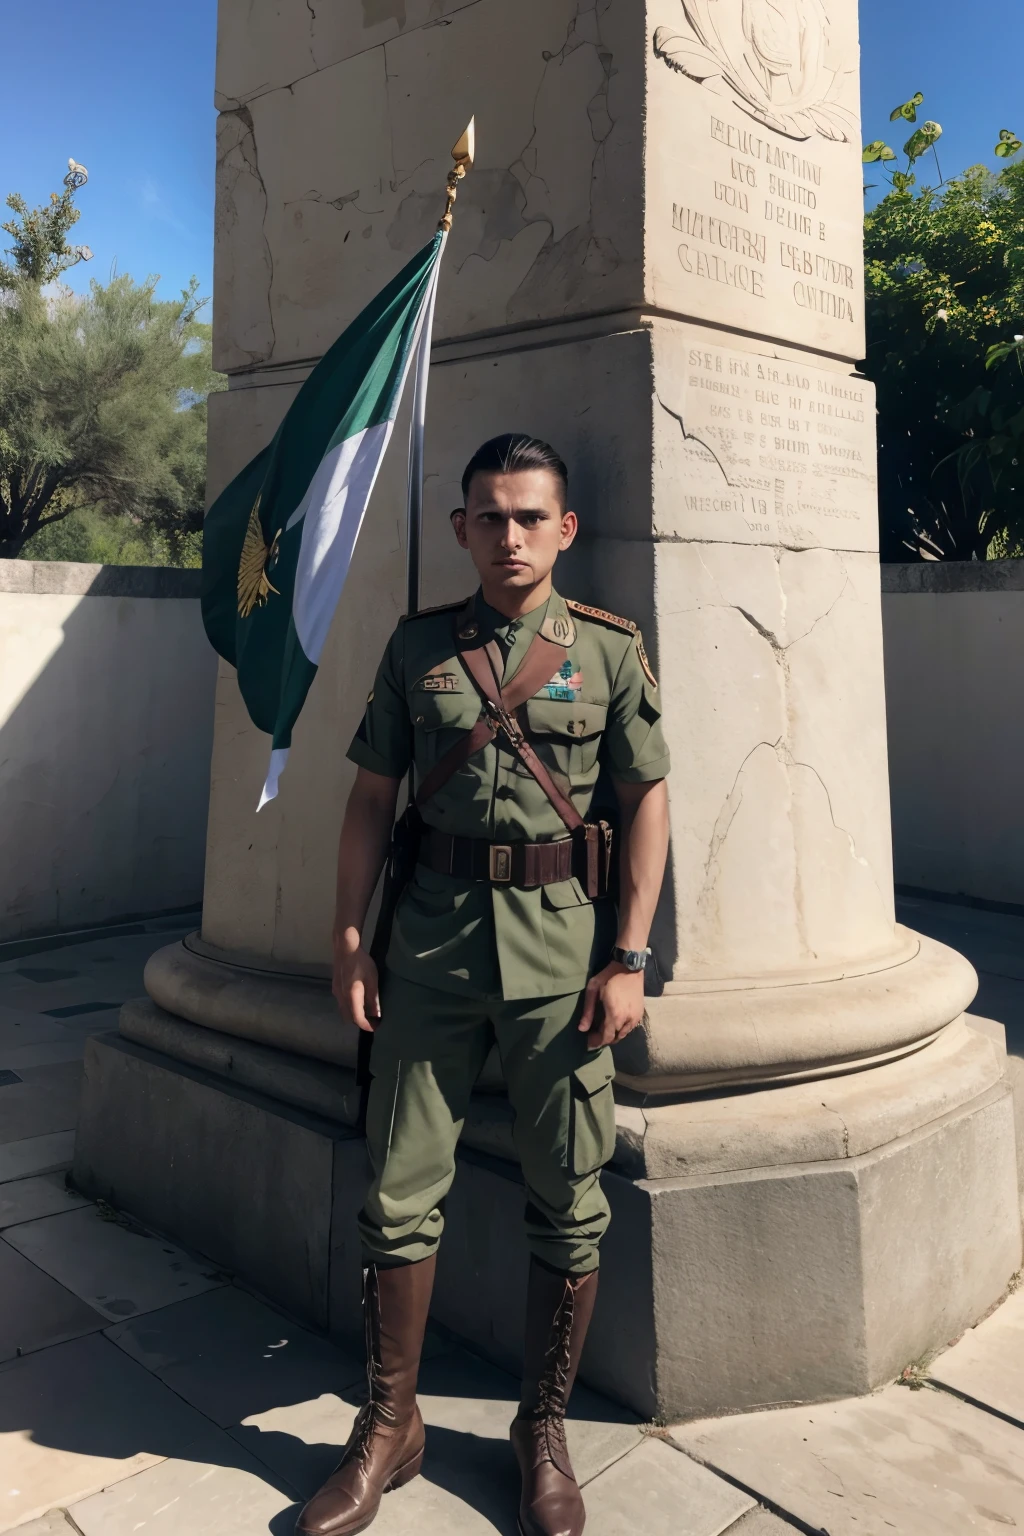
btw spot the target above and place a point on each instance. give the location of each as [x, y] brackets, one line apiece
[760, 1253]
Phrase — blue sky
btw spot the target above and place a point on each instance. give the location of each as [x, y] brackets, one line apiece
[127, 88]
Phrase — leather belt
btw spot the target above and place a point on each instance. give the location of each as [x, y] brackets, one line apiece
[525, 865]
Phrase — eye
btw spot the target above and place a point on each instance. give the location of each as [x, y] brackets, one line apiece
[531, 519]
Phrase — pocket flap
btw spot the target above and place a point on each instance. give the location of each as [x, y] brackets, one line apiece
[564, 893]
[574, 722]
[595, 1073]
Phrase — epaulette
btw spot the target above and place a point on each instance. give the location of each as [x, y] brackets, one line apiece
[421, 613]
[601, 615]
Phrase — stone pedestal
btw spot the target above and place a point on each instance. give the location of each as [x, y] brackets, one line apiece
[655, 265]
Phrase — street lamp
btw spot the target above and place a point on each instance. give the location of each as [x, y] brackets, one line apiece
[76, 177]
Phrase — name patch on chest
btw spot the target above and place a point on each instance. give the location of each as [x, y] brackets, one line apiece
[566, 685]
[442, 680]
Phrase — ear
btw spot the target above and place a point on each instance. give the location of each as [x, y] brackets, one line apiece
[570, 526]
[458, 520]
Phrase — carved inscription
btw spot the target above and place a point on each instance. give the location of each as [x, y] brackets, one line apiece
[767, 209]
[776, 452]
[754, 177]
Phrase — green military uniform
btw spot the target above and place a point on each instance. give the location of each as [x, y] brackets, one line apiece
[471, 962]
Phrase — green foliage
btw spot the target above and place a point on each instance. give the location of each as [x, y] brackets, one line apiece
[92, 535]
[103, 403]
[908, 110]
[944, 270]
[921, 140]
[1008, 144]
[41, 251]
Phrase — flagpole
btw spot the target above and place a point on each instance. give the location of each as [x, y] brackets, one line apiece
[462, 154]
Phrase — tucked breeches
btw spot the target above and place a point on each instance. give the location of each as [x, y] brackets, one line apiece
[428, 1052]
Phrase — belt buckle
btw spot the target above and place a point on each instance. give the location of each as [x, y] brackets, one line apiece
[500, 863]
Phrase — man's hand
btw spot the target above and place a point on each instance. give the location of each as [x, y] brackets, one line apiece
[356, 987]
[616, 997]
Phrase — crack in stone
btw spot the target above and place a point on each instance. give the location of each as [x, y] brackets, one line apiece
[846, 1129]
[266, 88]
[719, 833]
[251, 162]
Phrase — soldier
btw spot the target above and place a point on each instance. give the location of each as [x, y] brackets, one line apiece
[508, 707]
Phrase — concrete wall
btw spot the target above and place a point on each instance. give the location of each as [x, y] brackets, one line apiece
[954, 678]
[106, 724]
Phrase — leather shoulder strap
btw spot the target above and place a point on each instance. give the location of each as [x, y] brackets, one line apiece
[541, 662]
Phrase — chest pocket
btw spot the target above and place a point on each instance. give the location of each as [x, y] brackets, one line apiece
[567, 736]
[439, 720]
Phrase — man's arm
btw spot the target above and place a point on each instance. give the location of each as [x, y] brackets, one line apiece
[644, 849]
[362, 849]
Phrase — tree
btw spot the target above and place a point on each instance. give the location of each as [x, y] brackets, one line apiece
[944, 270]
[40, 250]
[102, 397]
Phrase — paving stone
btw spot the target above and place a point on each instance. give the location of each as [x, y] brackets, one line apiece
[188, 1495]
[466, 1395]
[35, 1310]
[301, 1442]
[46, 1053]
[232, 1357]
[28, 1199]
[661, 1492]
[37, 1154]
[18, 1028]
[45, 1101]
[43, 973]
[467, 1406]
[53, 1524]
[988, 1362]
[917, 1463]
[121, 1270]
[80, 1416]
[760, 1522]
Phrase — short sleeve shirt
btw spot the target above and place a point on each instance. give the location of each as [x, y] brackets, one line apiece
[599, 711]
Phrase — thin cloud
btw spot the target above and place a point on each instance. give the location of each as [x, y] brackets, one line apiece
[154, 203]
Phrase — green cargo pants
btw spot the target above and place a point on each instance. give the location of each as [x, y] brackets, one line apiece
[428, 1051]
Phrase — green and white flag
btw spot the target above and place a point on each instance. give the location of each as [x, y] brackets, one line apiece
[278, 542]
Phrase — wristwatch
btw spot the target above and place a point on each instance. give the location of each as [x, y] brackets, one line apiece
[632, 959]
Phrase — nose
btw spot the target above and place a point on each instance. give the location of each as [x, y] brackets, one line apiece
[512, 535]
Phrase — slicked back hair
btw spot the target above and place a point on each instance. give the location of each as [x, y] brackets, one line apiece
[514, 451]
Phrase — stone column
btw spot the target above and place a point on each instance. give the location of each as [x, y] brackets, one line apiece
[656, 264]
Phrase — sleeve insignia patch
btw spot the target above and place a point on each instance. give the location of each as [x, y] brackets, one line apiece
[602, 615]
[643, 660]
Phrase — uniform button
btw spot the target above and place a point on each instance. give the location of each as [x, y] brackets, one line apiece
[420, 719]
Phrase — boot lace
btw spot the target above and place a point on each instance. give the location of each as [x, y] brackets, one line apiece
[376, 1412]
[554, 1381]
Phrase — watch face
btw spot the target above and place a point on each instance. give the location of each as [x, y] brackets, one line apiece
[632, 959]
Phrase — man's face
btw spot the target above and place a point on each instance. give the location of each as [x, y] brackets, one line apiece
[514, 526]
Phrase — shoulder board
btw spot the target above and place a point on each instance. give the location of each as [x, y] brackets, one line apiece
[421, 613]
[601, 616]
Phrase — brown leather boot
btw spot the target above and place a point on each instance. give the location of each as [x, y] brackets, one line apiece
[385, 1448]
[558, 1313]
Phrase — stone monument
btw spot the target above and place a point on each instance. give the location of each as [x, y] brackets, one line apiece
[656, 264]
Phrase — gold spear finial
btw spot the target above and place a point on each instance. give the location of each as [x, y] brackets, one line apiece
[463, 153]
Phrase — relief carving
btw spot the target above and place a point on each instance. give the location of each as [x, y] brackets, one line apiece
[778, 58]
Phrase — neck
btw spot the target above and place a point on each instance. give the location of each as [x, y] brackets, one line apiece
[514, 604]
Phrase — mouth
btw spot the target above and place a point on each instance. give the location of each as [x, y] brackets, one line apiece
[511, 565]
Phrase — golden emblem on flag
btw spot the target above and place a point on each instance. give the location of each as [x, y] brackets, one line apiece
[254, 586]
